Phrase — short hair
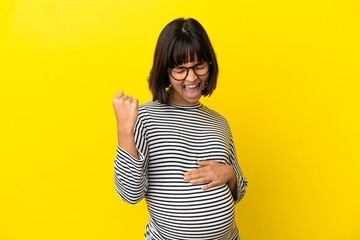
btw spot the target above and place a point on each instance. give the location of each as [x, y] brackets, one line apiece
[180, 40]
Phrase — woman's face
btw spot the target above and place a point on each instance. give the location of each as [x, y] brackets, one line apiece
[187, 91]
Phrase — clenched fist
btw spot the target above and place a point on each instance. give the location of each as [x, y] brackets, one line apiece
[126, 110]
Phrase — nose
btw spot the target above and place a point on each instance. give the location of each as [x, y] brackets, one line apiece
[191, 75]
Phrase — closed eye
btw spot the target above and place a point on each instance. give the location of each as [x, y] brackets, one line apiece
[179, 70]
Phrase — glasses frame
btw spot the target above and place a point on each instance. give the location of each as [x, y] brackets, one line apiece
[187, 71]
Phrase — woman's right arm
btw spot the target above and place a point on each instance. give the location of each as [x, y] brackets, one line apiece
[132, 151]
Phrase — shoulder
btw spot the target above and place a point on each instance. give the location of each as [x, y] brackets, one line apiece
[215, 115]
[143, 115]
[148, 107]
[149, 104]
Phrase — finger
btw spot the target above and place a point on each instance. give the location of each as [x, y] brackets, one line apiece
[210, 185]
[119, 94]
[193, 174]
[201, 180]
[133, 100]
[208, 163]
[190, 175]
[130, 99]
[204, 163]
[124, 98]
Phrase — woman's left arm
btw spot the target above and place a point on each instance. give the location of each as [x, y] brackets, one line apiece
[240, 181]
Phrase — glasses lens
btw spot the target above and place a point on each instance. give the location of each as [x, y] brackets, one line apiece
[179, 73]
[201, 68]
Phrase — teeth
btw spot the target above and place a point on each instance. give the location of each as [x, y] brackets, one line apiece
[191, 86]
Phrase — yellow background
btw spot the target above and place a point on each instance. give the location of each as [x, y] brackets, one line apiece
[288, 85]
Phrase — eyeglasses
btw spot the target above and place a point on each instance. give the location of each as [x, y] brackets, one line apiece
[200, 69]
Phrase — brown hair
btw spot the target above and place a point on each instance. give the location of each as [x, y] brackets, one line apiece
[179, 40]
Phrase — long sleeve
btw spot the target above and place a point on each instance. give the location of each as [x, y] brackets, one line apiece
[169, 139]
[241, 181]
[131, 180]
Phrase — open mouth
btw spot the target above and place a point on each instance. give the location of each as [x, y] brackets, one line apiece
[192, 90]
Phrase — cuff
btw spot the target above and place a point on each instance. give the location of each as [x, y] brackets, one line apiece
[125, 155]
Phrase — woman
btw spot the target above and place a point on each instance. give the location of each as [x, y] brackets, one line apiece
[175, 152]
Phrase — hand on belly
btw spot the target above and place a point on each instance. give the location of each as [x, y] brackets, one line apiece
[210, 172]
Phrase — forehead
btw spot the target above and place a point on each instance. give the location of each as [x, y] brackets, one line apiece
[189, 62]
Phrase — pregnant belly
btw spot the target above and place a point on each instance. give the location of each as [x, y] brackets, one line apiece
[185, 211]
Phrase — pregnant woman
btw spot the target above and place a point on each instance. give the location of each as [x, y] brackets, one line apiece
[175, 152]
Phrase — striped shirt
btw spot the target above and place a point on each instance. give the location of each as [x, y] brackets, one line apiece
[169, 140]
